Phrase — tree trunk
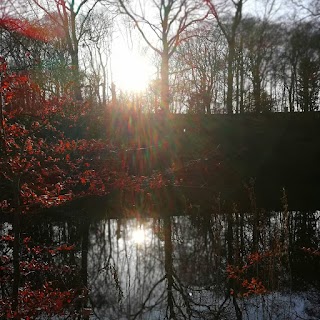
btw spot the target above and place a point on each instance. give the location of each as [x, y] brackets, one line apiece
[104, 87]
[84, 265]
[230, 247]
[257, 91]
[16, 245]
[291, 93]
[76, 75]
[241, 77]
[164, 103]
[69, 21]
[238, 85]
[207, 102]
[169, 264]
[231, 55]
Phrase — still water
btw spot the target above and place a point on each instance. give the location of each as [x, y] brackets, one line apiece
[261, 265]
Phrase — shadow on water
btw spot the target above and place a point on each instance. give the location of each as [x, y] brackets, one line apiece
[234, 265]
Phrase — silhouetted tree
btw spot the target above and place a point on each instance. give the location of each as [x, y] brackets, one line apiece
[163, 26]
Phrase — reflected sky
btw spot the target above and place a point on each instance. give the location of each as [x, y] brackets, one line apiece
[205, 267]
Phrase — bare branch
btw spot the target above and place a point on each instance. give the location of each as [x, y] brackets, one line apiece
[133, 18]
[86, 16]
[148, 297]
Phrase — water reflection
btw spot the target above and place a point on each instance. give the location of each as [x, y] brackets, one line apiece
[219, 266]
[124, 268]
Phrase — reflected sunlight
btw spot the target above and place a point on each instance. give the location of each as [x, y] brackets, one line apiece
[138, 236]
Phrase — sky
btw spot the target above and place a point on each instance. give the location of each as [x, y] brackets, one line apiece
[131, 62]
[132, 69]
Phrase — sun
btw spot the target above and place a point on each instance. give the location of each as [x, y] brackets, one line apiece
[132, 72]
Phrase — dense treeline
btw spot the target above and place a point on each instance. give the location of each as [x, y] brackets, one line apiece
[233, 63]
[276, 69]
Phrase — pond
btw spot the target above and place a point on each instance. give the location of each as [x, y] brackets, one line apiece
[235, 265]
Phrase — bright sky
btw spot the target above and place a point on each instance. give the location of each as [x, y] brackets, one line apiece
[131, 70]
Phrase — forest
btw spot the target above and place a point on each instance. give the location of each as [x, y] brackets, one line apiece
[218, 59]
[195, 197]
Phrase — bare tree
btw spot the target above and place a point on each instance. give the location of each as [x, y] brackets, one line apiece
[97, 43]
[162, 24]
[199, 66]
[309, 8]
[230, 32]
[10, 8]
[71, 18]
[260, 42]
